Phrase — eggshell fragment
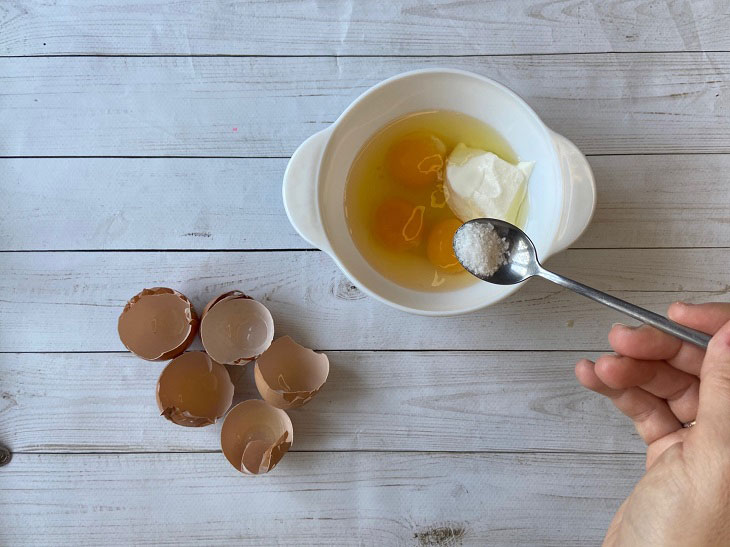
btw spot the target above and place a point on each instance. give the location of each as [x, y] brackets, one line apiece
[255, 436]
[288, 375]
[235, 328]
[157, 324]
[193, 390]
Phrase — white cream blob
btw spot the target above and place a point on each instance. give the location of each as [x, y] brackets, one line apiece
[480, 184]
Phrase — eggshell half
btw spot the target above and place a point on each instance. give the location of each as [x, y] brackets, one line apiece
[255, 436]
[157, 324]
[288, 375]
[193, 390]
[235, 328]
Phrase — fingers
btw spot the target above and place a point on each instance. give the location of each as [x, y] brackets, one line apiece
[713, 415]
[707, 317]
[679, 389]
[586, 374]
[658, 447]
[651, 415]
[643, 342]
[648, 343]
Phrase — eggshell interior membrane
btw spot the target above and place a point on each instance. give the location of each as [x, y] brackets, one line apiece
[193, 390]
[236, 329]
[255, 436]
[157, 324]
[288, 375]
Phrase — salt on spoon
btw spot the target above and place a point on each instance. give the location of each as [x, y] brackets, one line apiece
[480, 248]
[498, 252]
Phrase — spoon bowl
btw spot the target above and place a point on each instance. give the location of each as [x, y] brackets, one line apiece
[521, 260]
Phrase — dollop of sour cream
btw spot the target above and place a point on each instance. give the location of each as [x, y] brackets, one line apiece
[481, 184]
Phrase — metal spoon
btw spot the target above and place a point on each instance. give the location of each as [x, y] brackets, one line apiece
[522, 263]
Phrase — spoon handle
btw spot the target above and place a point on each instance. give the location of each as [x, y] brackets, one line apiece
[645, 316]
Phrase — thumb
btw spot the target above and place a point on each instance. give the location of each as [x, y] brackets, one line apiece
[713, 414]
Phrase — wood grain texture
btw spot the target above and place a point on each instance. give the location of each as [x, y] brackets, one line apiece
[224, 203]
[223, 106]
[407, 27]
[314, 499]
[660, 201]
[71, 301]
[168, 203]
[419, 401]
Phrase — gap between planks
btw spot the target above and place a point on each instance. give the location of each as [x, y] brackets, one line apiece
[349, 350]
[312, 249]
[363, 56]
[336, 451]
[274, 157]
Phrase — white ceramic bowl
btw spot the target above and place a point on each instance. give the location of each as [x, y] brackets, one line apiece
[561, 190]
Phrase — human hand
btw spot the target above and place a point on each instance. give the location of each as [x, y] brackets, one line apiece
[662, 383]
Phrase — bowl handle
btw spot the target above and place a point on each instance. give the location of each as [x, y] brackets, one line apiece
[300, 190]
[579, 196]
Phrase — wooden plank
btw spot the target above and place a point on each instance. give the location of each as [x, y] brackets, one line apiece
[314, 499]
[420, 401]
[407, 27]
[660, 201]
[71, 301]
[223, 203]
[91, 203]
[223, 106]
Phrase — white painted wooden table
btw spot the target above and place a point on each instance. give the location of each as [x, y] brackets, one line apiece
[143, 143]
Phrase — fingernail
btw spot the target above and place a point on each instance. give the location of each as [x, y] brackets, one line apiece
[622, 325]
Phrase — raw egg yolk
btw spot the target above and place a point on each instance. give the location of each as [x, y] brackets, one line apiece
[417, 160]
[439, 248]
[398, 223]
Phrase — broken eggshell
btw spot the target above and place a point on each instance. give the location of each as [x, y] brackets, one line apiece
[255, 436]
[288, 375]
[235, 328]
[194, 390]
[157, 324]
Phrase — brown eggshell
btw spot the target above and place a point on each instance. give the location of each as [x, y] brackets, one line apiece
[255, 436]
[235, 328]
[157, 324]
[288, 375]
[193, 390]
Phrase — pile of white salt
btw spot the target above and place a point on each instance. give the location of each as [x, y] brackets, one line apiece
[480, 249]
